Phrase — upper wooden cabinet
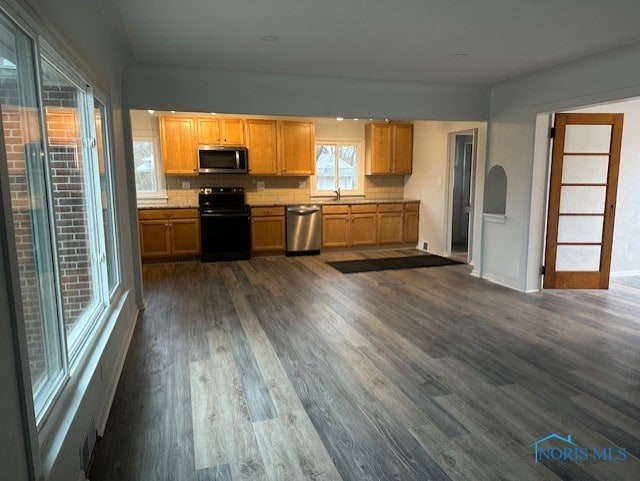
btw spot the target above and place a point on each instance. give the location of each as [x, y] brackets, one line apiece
[297, 148]
[220, 131]
[262, 143]
[388, 149]
[208, 131]
[178, 144]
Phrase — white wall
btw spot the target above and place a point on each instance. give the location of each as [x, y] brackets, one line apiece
[430, 176]
[78, 30]
[162, 87]
[508, 254]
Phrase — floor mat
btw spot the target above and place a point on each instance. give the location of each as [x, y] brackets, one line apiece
[408, 262]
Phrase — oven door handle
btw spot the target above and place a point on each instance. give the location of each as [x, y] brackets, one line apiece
[210, 216]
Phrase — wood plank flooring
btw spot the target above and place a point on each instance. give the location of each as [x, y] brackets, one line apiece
[285, 369]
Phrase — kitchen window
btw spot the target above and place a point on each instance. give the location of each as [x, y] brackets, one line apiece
[338, 165]
[150, 183]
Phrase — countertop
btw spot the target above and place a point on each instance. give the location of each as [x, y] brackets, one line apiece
[343, 201]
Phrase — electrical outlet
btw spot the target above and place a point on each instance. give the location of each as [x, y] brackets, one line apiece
[186, 184]
[425, 245]
[260, 185]
[302, 184]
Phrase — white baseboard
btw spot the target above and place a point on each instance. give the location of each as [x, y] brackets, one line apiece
[624, 274]
[500, 282]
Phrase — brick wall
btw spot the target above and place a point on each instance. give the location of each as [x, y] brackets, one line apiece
[22, 138]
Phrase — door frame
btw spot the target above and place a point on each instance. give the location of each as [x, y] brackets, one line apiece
[450, 179]
[582, 279]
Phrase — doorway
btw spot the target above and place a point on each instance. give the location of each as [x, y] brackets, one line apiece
[461, 191]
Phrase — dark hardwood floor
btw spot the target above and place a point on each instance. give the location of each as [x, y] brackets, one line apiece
[285, 369]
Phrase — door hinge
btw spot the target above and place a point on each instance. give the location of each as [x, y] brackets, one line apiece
[552, 133]
[542, 270]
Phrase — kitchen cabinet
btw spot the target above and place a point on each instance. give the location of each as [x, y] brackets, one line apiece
[363, 224]
[390, 225]
[208, 131]
[388, 149]
[262, 140]
[411, 222]
[220, 131]
[335, 226]
[168, 233]
[268, 230]
[297, 148]
[349, 225]
[178, 145]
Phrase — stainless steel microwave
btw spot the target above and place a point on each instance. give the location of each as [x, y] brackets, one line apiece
[216, 159]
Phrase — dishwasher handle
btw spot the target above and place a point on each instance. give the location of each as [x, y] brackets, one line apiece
[303, 210]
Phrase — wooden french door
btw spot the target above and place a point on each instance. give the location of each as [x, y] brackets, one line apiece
[582, 200]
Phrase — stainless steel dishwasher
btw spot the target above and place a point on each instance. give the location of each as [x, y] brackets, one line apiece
[304, 229]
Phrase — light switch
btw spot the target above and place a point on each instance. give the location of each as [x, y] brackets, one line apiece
[439, 182]
[186, 184]
[260, 185]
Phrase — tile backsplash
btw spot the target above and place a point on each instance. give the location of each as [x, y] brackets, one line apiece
[285, 190]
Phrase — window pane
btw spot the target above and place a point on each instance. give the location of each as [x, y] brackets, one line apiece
[348, 167]
[71, 187]
[30, 212]
[106, 194]
[325, 167]
[144, 164]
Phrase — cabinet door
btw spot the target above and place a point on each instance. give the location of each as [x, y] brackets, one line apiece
[185, 236]
[154, 238]
[179, 149]
[232, 131]
[402, 143]
[208, 131]
[411, 227]
[297, 148]
[335, 230]
[267, 234]
[377, 149]
[390, 227]
[262, 145]
[363, 229]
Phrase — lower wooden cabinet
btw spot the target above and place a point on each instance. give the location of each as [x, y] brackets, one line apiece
[268, 230]
[359, 225]
[335, 226]
[411, 221]
[167, 234]
[390, 228]
[363, 224]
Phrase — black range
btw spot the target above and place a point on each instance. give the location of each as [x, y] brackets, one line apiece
[225, 224]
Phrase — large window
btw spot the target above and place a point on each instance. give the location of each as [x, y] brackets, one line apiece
[338, 165]
[62, 207]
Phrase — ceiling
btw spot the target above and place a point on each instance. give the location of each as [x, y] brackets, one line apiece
[401, 40]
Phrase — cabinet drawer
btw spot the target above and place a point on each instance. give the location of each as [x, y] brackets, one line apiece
[150, 214]
[390, 207]
[412, 207]
[335, 209]
[364, 208]
[267, 211]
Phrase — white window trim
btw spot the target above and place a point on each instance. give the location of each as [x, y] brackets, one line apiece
[160, 195]
[359, 192]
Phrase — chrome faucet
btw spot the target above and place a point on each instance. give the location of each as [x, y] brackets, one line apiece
[337, 191]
